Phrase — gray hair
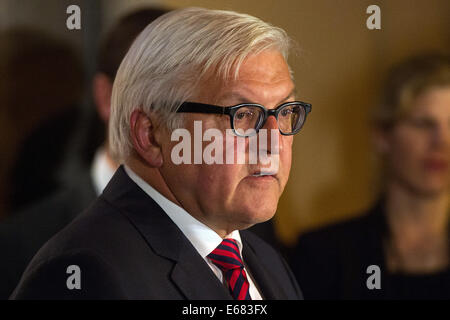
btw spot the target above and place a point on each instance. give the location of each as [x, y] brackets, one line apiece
[167, 60]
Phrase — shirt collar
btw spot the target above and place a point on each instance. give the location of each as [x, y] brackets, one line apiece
[202, 237]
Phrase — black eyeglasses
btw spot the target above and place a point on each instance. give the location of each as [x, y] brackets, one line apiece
[247, 118]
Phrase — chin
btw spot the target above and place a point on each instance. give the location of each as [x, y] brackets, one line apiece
[425, 185]
[436, 190]
[257, 213]
[432, 189]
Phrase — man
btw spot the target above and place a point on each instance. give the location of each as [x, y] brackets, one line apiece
[26, 231]
[168, 230]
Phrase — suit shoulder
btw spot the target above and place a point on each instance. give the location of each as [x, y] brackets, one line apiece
[75, 274]
[95, 228]
[89, 242]
[47, 216]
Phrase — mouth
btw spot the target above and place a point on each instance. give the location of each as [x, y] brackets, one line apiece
[436, 164]
[262, 174]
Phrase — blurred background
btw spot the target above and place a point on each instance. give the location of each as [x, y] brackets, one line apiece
[48, 122]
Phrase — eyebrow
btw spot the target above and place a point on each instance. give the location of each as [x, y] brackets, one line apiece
[239, 97]
[291, 94]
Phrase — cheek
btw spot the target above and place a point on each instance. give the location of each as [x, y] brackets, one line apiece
[408, 150]
[218, 181]
[286, 155]
[406, 156]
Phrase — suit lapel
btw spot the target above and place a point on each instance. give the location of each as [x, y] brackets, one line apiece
[195, 278]
[190, 274]
[265, 281]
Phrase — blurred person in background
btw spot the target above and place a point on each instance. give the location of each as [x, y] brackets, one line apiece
[40, 93]
[406, 233]
[26, 231]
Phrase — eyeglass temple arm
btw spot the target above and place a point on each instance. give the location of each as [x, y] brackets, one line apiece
[308, 107]
[194, 107]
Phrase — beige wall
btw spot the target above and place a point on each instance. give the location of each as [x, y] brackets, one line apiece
[338, 71]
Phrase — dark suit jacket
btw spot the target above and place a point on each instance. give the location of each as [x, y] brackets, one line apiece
[331, 263]
[128, 248]
[24, 233]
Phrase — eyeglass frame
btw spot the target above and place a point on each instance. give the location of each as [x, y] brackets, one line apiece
[197, 107]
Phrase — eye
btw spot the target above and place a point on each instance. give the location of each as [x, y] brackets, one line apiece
[422, 123]
[246, 114]
[286, 112]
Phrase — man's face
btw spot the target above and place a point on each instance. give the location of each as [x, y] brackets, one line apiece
[228, 196]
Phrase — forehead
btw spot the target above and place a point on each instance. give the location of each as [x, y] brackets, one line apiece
[269, 64]
[433, 102]
[261, 77]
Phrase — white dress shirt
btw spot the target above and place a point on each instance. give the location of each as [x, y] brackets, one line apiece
[203, 238]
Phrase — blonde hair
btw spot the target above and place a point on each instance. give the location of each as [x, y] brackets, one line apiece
[166, 62]
[405, 83]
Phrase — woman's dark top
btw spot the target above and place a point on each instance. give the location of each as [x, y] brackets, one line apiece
[332, 263]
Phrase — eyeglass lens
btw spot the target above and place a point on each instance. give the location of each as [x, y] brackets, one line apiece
[290, 119]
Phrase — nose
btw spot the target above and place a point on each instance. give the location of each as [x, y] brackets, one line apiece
[272, 135]
[441, 137]
[271, 123]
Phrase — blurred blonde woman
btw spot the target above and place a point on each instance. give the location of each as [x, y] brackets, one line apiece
[406, 233]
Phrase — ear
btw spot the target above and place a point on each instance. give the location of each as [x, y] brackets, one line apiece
[143, 137]
[381, 140]
[101, 91]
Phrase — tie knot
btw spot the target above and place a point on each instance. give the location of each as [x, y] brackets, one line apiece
[227, 256]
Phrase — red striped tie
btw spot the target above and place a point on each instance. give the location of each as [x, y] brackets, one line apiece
[228, 259]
